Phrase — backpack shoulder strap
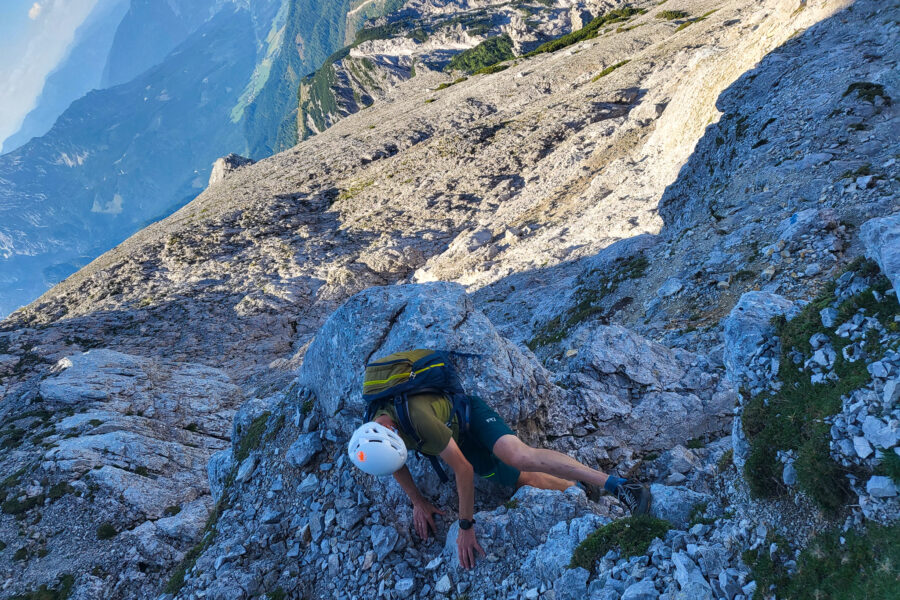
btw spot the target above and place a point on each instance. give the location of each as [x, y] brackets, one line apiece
[401, 406]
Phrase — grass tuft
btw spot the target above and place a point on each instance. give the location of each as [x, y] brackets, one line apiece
[889, 466]
[852, 565]
[489, 52]
[794, 417]
[589, 31]
[106, 531]
[632, 536]
[62, 591]
[251, 438]
[610, 69]
[671, 15]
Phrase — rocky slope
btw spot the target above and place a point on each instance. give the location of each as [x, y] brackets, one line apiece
[602, 248]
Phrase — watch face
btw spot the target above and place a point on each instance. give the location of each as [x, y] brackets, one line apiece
[466, 524]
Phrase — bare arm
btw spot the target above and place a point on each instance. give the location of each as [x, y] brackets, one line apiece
[423, 510]
[467, 545]
[465, 485]
[404, 478]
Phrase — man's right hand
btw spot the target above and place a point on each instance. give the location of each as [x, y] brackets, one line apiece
[423, 518]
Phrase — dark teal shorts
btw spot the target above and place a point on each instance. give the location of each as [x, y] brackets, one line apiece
[485, 428]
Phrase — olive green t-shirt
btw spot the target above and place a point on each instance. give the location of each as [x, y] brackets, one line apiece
[429, 414]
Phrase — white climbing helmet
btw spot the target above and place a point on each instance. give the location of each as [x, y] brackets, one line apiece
[376, 449]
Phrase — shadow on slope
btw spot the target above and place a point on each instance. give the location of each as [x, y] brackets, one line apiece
[747, 173]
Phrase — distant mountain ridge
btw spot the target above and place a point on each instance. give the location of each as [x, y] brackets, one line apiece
[189, 82]
[78, 73]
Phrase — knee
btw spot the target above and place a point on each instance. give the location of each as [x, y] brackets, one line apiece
[517, 455]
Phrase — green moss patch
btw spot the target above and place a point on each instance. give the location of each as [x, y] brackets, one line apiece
[15, 507]
[61, 591]
[489, 52]
[852, 565]
[868, 91]
[59, 490]
[106, 531]
[251, 438]
[671, 15]
[589, 31]
[794, 417]
[610, 69]
[632, 536]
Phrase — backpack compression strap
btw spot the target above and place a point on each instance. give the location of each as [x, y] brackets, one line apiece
[401, 406]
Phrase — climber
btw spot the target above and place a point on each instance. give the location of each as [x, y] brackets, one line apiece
[489, 448]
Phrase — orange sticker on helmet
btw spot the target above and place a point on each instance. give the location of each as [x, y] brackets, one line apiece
[361, 456]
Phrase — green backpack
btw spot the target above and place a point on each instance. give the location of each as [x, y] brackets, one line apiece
[397, 376]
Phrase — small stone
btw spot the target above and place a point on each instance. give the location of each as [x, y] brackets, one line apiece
[308, 485]
[671, 287]
[270, 515]
[862, 447]
[789, 475]
[443, 586]
[347, 519]
[812, 270]
[642, 590]
[829, 316]
[891, 392]
[818, 340]
[384, 538]
[879, 369]
[245, 471]
[879, 486]
[303, 450]
[434, 563]
[404, 587]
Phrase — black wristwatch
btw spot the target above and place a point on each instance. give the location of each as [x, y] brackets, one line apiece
[466, 524]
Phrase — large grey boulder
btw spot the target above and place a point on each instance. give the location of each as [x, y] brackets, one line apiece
[746, 328]
[751, 354]
[881, 237]
[550, 560]
[225, 166]
[638, 394]
[220, 465]
[525, 531]
[382, 320]
[172, 392]
[674, 504]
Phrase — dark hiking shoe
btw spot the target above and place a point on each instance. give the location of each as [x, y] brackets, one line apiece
[635, 496]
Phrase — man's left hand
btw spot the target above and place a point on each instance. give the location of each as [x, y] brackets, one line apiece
[468, 546]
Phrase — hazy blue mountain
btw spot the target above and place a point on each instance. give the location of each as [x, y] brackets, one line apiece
[79, 72]
[121, 157]
[148, 32]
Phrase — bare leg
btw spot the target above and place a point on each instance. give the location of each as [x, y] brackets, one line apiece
[516, 453]
[543, 481]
